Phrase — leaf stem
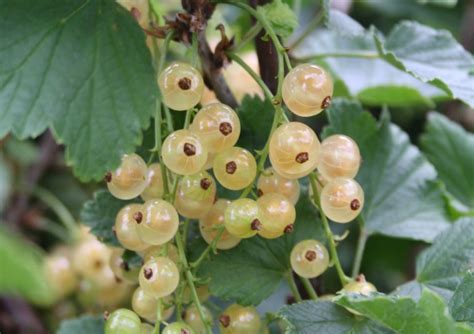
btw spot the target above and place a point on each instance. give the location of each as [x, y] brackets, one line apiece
[208, 249]
[361, 242]
[156, 330]
[293, 287]
[309, 288]
[190, 281]
[332, 245]
[250, 35]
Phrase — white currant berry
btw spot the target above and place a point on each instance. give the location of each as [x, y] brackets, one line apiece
[122, 321]
[237, 319]
[294, 150]
[158, 251]
[181, 86]
[154, 188]
[242, 218]
[129, 180]
[235, 168]
[159, 224]
[271, 182]
[278, 215]
[121, 269]
[340, 157]
[193, 318]
[60, 274]
[307, 90]
[184, 153]
[195, 195]
[146, 306]
[178, 328]
[126, 227]
[360, 286]
[342, 200]
[309, 258]
[159, 277]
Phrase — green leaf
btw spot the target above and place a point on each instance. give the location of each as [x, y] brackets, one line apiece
[256, 116]
[393, 96]
[401, 197]
[280, 16]
[461, 304]
[21, 270]
[344, 24]
[432, 56]
[451, 150]
[252, 271]
[443, 266]
[85, 324]
[99, 214]
[443, 3]
[80, 67]
[325, 317]
[132, 259]
[402, 314]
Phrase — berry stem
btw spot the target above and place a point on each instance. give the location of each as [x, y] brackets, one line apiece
[249, 36]
[208, 249]
[156, 329]
[361, 242]
[190, 280]
[309, 288]
[293, 287]
[332, 244]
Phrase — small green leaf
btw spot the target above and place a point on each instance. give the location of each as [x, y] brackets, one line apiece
[311, 317]
[21, 270]
[99, 214]
[132, 259]
[85, 324]
[401, 197]
[443, 266]
[432, 56]
[451, 150]
[461, 304]
[80, 67]
[403, 314]
[252, 271]
[393, 96]
[280, 16]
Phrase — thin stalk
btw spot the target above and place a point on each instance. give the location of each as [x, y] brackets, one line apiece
[309, 288]
[361, 242]
[249, 36]
[185, 231]
[187, 120]
[293, 287]
[156, 330]
[332, 245]
[190, 281]
[208, 249]
[54, 229]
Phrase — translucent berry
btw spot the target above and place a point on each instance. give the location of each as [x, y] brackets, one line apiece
[122, 269]
[278, 215]
[129, 180]
[154, 187]
[126, 227]
[242, 218]
[209, 224]
[160, 222]
[159, 277]
[309, 258]
[181, 86]
[184, 153]
[271, 182]
[146, 306]
[122, 321]
[60, 274]
[307, 90]
[178, 328]
[340, 157]
[235, 168]
[195, 195]
[193, 319]
[158, 251]
[360, 286]
[237, 319]
[294, 150]
[218, 125]
[211, 156]
[342, 200]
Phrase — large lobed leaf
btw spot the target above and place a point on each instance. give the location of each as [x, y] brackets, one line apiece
[80, 67]
[461, 304]
[402, 198]
[451, 150]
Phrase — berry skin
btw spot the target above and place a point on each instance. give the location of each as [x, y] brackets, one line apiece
[129, 180]
[307, 90]
[242, 218]
[235, 168]
[211, 156]
[159, 277]
[218, 125]
[237, 319]
[146, 306]
[193, 319]
[213, 219]
[123, 321]
[153, 252]
[178, 328]
[121, 269]
[278, 215]
[309, 258]
[184, 153]
[159, 224]
[146, 329]
[342, 200]
[195, 195]
[339, 157]
[294, 150]
[271, 182]
[360, 286]
[60, 274]
[154, 187]
[181, 86]
[126, 227]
